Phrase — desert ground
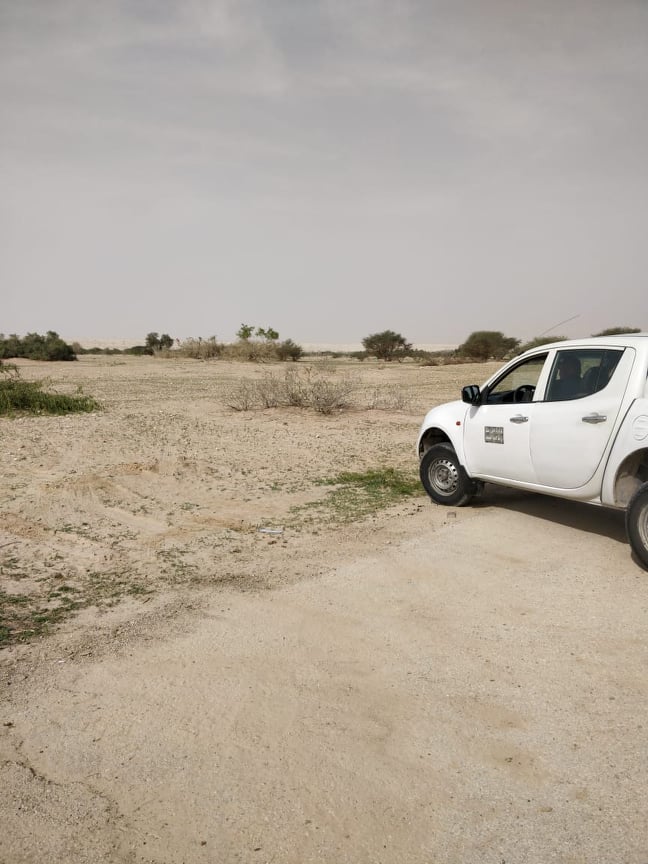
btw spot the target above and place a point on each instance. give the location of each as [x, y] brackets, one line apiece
[214, 652]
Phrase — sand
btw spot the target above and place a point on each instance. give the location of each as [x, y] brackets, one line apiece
[259, 681]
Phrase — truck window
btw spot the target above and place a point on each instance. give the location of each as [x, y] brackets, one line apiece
[580, 372]
[519, 383]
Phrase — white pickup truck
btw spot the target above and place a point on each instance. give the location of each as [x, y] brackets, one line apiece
[568, 419]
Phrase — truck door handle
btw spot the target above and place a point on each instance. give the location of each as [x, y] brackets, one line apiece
[594, 418]
[518, 418]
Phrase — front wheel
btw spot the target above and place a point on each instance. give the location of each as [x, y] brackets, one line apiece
[444, 478]
[637, 524]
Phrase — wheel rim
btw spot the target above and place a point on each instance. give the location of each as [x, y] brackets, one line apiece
[642, 525]
[444, 476]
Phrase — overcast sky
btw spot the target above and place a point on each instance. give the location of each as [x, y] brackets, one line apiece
[329, 168]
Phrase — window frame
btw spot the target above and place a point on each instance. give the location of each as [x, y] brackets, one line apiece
[510, 370]
[583, 352]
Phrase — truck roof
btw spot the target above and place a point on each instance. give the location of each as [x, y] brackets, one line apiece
[624, 340]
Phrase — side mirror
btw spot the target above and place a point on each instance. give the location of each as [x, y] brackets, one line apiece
[471, 394]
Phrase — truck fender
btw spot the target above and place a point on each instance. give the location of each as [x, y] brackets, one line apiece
[627, 465]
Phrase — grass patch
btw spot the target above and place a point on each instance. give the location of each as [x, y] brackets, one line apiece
[18, 396]
[357, 495]
[24, 617]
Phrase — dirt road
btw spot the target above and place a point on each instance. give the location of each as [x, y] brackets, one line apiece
[473, 693]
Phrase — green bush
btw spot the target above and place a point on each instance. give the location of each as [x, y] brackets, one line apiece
[617, 331]
[159, 343]
[139, 350]
[538, 341]
[33, 346]
[487, 345]
[18, 396]
[10, 346]
[80, 350]
[289, 350]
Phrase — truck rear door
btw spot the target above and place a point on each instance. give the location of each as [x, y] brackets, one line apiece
[571, 427]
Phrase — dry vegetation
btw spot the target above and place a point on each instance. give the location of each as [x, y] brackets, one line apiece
[168, 486]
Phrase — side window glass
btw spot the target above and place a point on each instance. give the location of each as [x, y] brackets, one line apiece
[580, 372]
[519, 383]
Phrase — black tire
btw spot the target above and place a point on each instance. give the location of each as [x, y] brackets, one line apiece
[637, 524]
[444, 478]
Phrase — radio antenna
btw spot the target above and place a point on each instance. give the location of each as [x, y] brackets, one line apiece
[559, 324]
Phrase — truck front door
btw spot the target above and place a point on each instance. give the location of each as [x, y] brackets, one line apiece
[496, 433]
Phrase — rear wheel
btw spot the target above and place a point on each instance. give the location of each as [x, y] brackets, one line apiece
[444, 478]
[637, 524]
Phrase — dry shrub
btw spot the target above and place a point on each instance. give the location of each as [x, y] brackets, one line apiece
[271, 391]
[299, 388]
[242, 396]
[197, 349]
[388, 399]
[328, 395]
[446, 358]
[251, 351]
[245, 350]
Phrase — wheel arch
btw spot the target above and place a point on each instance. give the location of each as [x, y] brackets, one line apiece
[630, 475]
[433, 435]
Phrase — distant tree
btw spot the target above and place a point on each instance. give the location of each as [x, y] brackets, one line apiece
[155, 342]
[487, 344]
[617, 331]
[269, 335]
[245, 332]
[538, 341]
[56, 348]
[9, 346]
[289, 350]
[34, 346]
[386, 345]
